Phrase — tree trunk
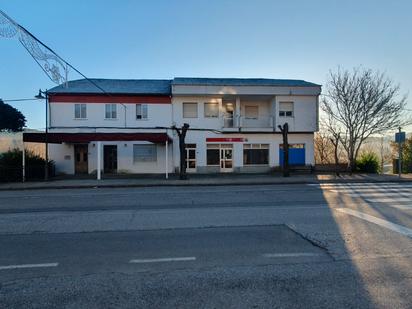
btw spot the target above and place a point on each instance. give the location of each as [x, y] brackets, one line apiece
[285, 167]
[182, 150]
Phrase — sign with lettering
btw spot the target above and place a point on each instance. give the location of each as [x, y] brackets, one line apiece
[400, 137]
[225, 139]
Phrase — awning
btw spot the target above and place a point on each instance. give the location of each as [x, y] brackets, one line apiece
[58, 138]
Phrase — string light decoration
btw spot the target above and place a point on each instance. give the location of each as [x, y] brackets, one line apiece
[51, 63]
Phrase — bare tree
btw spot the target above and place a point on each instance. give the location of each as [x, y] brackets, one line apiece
[362, 103]
[323, 148]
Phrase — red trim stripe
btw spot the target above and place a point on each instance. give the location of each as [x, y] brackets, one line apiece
[124, 99]
[58, 138]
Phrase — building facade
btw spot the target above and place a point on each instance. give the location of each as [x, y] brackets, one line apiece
[126, 126]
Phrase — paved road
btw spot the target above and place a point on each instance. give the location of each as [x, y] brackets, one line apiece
[286, 246]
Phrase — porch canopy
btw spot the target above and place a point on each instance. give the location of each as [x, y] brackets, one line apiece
[58, 138]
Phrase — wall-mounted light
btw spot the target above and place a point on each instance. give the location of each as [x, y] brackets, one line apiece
[125, 145]
[94, 145]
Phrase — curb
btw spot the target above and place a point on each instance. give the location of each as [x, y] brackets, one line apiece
[261, 183]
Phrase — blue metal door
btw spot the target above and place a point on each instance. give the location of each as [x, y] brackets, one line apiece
[296, 154]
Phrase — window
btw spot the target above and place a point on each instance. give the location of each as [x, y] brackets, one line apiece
[80, 111]
[251, 112]
[211, 110]
[212, 154]
[189, 110]
[144, 153]
[111, 112]
[141, 111]
[286, 109]
[255, 154]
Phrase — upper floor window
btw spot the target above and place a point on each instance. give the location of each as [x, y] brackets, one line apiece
[141, 111]
[80, 111]
[111, 111]
[286, 109]
[251, 112]
[211, 110]
[189, 110]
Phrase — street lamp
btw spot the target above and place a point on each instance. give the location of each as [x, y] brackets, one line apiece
[43, 95]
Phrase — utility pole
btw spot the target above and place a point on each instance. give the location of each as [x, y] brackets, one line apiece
[400, 138]
[400, 154]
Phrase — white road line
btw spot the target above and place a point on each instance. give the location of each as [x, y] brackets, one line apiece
[372, 191]
[403, 188]
[402, 207]
[365, 193]
[389, 200]
[29, 266]
[384, 223]
[160, 260]
[283, 255]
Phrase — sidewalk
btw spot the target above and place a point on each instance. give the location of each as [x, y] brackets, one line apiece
[201, 180]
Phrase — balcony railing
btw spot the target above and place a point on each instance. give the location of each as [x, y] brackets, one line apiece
[247, 122]
[260, 122]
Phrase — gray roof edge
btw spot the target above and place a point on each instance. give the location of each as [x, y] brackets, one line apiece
[208, 81]
[83, 86]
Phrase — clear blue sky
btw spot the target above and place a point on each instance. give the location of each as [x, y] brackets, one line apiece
[214, 38]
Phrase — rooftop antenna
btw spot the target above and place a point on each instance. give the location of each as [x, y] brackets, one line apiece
[55, 67]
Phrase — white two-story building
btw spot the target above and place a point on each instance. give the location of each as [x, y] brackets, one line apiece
[128, 127]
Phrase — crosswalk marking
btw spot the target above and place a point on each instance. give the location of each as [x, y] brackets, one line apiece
[384, 223]
[397, 195]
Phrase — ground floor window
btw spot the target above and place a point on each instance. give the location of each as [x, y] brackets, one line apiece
[144, 153]
[256, 154]
[212, 154]
[191, 156]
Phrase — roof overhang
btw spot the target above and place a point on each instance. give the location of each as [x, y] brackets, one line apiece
[187, 90]
[58, 138]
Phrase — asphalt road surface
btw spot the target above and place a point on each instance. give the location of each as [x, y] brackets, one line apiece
[275, 246]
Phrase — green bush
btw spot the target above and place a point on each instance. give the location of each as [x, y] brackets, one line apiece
[368, 163]
[11, 166]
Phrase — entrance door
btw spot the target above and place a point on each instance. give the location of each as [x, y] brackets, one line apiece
[226, 158]
[110, 158]
[80, 159]
[191, 158]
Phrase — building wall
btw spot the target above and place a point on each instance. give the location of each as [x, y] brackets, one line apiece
[63, 157]
[125, 162]
[62, 115]
[274, 140]
[304, 122]
[304, 114]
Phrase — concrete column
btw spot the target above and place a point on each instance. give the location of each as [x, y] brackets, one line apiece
[99, 154]
[237, 120]
[273, 111]
[167, 159]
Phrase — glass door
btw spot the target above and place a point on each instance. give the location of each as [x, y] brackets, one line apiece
[226, 158]
[191, 158]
